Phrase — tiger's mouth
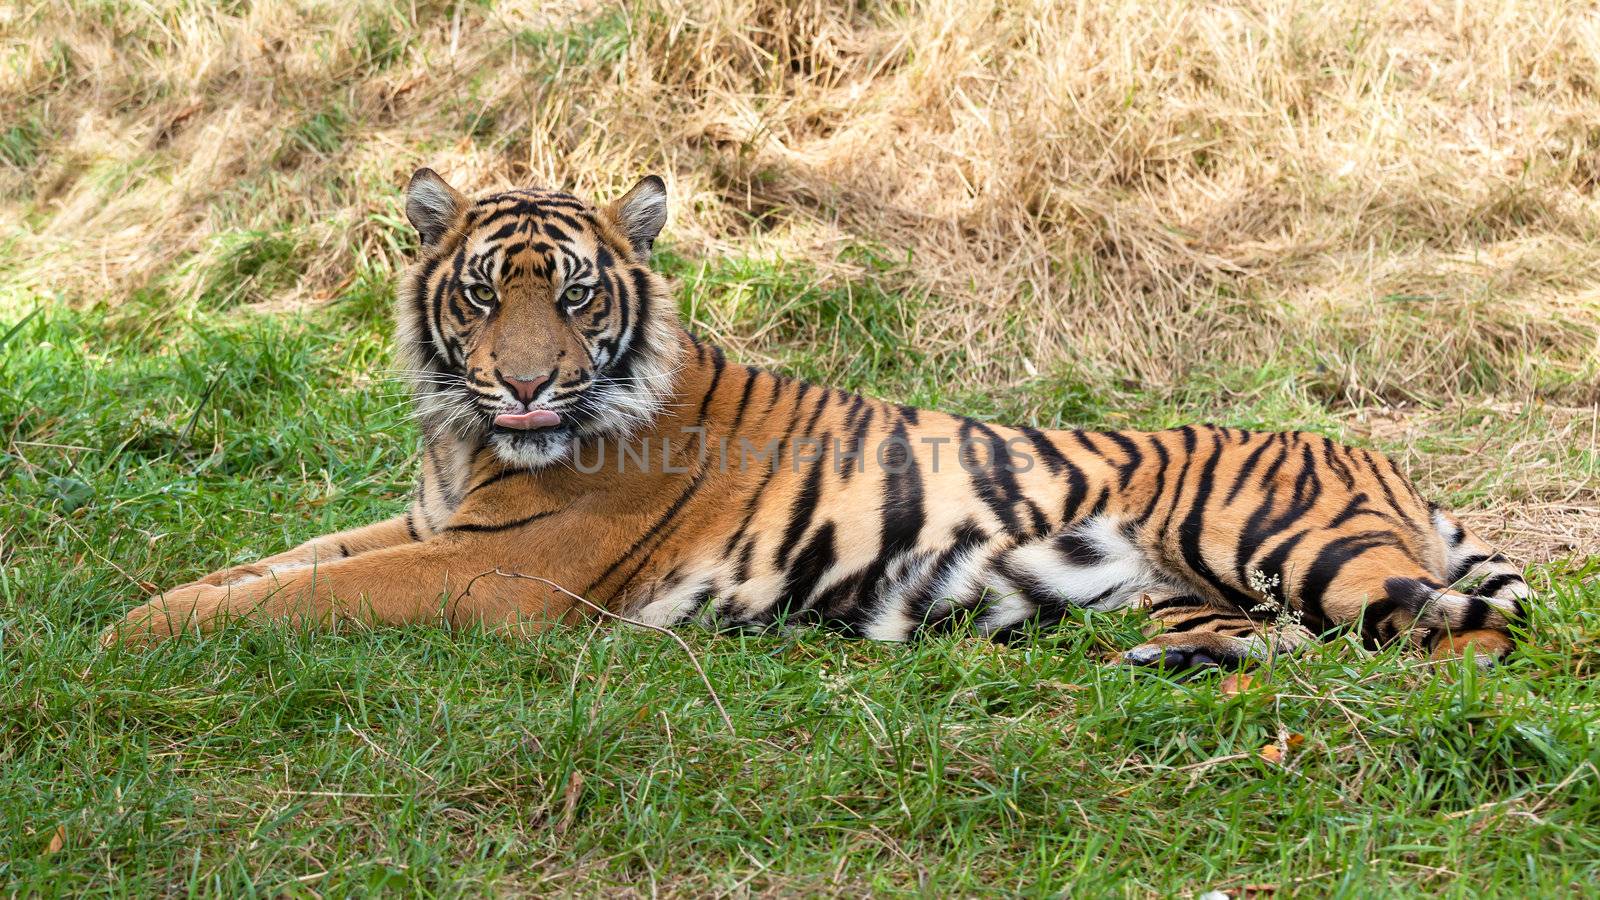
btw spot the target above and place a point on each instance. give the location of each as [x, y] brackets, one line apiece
[532, 445]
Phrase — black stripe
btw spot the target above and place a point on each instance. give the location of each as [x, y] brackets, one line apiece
[1270, 476]
[1053, 460]
[411, 529]
[1356, 507]
[1463, 568]
[1245, 470]
[1125, 470]
[810, 565]
[1377, 472]
[500, 526]
[901, 518]
[1493, 585]
[1162, 459]
[1077, 490]
[1183, 600]
[718, 362]
[416, 294]
[857, 403]
[1262, 525]
[1477, 613]
[816, 412]
[1082, 437]
[744, 402]
[858, 439]
[1333, 462]
[496, 478]
[1180, 482]
[918, 604]
[1373, 617]
[1100, 502]
[1273, 563]
[742, 571]
[661, 522]
[1029, 585]
[801, 512]
[1078, 550]
[995, 484]
[1193, 525]
[754, 499]
[1198, 621]
[1329, 562]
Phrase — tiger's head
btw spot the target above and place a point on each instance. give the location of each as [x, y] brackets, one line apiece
[532, 319]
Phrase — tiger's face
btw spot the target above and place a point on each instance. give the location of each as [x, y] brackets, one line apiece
[533, 319]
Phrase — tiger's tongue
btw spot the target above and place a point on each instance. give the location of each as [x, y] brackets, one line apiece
[538, 418]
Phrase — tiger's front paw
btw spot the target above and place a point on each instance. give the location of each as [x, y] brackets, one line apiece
[193, 608]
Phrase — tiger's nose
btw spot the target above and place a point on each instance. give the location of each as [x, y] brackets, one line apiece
[525, 388]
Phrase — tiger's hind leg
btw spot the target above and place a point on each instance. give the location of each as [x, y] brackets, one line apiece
[1198, 634]
[1370, 584]
[1475, 569]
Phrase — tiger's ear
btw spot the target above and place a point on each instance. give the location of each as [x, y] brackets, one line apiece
[432, 205]
[640, 214]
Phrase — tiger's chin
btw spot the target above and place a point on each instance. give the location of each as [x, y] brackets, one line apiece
[532, 449]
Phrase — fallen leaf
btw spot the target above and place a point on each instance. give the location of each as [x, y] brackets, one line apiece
[569, 802]
[57, 840]
[1295, 741]
[1237, 683]
[1272, 753]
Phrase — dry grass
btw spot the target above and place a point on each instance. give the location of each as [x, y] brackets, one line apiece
[1397, 202]
[1408, 188]
[1527, 475]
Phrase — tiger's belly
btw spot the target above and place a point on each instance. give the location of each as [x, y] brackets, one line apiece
[961, 576]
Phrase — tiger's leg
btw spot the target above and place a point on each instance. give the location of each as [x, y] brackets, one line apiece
[1475, 569]
[1200, 634]
[1381, 591]
[329, 547]
[430, 581]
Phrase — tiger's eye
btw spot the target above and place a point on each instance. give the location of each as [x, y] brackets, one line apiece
[483, 293]
[577, 295]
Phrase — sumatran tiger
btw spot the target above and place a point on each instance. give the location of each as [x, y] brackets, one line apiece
[583, 451]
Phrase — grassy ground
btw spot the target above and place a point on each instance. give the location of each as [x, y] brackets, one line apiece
[1375, 222]
[145, 448]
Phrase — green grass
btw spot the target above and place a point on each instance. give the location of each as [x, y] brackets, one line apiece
[159, 441]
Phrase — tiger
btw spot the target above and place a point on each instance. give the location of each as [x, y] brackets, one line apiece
[585, 456]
